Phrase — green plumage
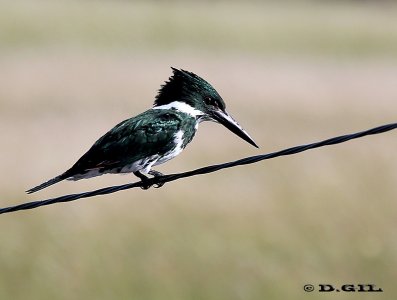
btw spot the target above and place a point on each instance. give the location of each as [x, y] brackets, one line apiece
[148, 134]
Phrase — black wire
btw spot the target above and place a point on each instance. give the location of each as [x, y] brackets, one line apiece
[204, 170]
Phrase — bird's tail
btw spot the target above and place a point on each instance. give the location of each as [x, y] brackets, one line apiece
[48, 183]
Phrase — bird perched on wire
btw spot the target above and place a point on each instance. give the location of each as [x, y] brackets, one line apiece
[156, 135]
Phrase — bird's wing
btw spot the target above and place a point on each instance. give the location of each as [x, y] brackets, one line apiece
[145, 135]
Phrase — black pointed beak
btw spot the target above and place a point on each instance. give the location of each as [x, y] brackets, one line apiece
[227, 120]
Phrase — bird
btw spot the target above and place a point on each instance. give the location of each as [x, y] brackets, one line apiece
[157, 135]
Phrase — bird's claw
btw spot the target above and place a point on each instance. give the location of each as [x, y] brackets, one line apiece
[145, 186]
[157, 174]
[146, 181]
[158, 185]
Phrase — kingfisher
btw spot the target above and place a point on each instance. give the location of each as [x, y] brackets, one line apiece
[156, 135]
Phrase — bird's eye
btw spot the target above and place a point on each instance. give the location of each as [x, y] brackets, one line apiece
[210, 101]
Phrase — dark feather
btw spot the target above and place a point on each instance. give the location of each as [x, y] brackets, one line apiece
[47, 183]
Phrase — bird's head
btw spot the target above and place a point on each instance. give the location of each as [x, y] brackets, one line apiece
[188, 90]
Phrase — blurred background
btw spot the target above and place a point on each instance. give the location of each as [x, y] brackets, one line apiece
[291, 72]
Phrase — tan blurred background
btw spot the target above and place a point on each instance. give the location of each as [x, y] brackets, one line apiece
[291, 72]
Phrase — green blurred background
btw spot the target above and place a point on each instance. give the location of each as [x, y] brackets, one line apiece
[291, 72]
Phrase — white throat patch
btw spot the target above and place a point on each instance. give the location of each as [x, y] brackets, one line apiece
[182, 107]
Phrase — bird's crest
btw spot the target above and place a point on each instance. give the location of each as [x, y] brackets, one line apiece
[181, 86]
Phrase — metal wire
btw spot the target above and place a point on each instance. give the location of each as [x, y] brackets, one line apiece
[204, 170]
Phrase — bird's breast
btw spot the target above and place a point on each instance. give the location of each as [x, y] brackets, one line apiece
[181, 139]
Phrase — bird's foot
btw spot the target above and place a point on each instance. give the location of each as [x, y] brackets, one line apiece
[145, 184]
[157, 174]
[144, 179]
